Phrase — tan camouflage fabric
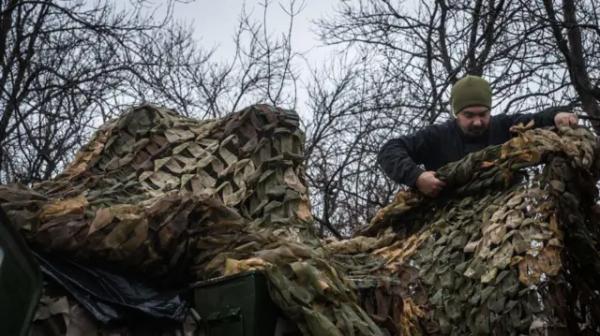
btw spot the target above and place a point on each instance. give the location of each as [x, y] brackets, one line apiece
[511, 247]
[177, 200]
[156, 192]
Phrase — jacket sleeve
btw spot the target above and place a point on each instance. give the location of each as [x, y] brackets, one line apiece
[399, 158]
[541, 119]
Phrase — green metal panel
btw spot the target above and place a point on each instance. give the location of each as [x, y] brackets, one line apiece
[238, 305]
[20, 281]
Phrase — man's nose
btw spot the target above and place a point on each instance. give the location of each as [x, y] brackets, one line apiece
[477, 122]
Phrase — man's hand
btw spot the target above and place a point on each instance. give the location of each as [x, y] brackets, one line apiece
[565, 119]
[429, 185]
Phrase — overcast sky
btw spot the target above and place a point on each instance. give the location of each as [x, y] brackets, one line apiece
[214, 23]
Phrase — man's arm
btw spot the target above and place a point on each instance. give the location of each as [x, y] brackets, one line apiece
[397, 163]
[399, 158]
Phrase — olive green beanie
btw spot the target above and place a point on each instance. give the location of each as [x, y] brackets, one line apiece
[470, 91]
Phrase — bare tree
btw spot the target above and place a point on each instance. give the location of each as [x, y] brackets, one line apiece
[536, 57]
[349, 116]
[191, 80]
[60, 62]
[430, 46]
[576, 33]
[66, 66]
[263, 67]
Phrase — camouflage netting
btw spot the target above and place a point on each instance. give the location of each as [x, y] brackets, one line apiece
[511, 248]
[507, 251]
[155, 192]
[176, 200]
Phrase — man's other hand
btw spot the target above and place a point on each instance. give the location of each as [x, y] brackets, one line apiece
[429, 185]
[565, 119]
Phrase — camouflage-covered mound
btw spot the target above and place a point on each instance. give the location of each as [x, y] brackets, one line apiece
[155, 192]
[504, 251]
[176, 200]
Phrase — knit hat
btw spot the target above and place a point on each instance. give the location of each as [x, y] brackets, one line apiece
[470, 91]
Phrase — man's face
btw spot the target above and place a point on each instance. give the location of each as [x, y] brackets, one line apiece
[474, 120]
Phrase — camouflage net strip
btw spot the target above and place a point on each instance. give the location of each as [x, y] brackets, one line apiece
[503, 252]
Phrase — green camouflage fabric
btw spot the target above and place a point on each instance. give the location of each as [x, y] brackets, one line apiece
[510, 248]
[155, 192]
[177, 200]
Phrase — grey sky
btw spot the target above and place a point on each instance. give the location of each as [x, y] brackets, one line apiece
[214, 22]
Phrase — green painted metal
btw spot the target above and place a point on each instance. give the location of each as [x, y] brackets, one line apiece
[20, 281]
[237, 305]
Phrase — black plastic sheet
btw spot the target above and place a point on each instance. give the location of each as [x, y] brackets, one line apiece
[111, 297]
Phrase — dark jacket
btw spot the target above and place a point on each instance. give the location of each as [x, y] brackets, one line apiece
[436, 145]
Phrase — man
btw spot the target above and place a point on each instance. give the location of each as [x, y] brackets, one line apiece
[473, 129]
